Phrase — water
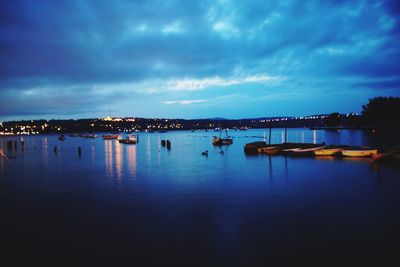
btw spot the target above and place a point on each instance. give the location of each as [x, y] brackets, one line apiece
[145, 205]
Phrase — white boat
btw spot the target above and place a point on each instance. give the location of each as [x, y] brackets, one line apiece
[361, 152]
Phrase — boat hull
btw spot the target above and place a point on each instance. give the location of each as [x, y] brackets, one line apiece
[124, 141]
[359, 153]
[271, 150]
[221, 142]
[110, 137]
[327, 152]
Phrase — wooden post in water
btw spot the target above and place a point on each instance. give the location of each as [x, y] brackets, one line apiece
[168, 144]
[285, 135]
[55, 149]
[15, 144]
[269, 136]
[79, 151]
[137, 138]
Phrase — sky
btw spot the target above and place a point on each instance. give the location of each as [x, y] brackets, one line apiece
[195, 59]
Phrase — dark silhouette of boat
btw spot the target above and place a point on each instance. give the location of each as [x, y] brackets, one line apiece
[130, 139]
[219, 141]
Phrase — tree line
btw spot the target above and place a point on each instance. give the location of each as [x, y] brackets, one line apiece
[378, 112]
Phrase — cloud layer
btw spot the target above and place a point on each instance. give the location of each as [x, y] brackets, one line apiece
[235, 58]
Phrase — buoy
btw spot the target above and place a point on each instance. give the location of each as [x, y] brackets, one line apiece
[221, 152]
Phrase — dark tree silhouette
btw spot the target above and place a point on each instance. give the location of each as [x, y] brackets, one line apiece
[382, 111]
[332, 120]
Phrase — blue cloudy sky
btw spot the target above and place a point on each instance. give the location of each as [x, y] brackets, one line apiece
[195, 59]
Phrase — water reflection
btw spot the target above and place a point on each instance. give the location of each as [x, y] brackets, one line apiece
[114, 159]
[45, 155]
[108, 151]
[118, 160]
[131, 156]
[325, 158]
[270, 168]
[314, 136]
[2, 157]
[92, 149]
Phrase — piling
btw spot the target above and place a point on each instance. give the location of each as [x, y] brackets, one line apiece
[55, 149]
[15, 144]
[285, 135]
[168, 144]
[79, 151]
[269, 136]
[137, 138]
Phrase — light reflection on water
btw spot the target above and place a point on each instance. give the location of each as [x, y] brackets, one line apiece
[116, 155]
[144, 199]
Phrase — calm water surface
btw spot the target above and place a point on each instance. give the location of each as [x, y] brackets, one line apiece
[144, 205]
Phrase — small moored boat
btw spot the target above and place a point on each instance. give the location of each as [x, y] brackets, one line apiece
[110, 136]
[327, 151]
[218, 141]
[331, 150]
[130, 139]
[269, 150]
[359, 152]
[303, 151]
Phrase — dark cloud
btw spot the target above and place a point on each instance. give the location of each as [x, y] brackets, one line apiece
[83, 44]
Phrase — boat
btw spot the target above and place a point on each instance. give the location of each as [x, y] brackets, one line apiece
[254, 147]
[110, 136]
[218, 141]
[285, 148]
[359, 152]
[222, 141]
[329, 150]
[269, 150]
[308, 151]
[130, 139]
